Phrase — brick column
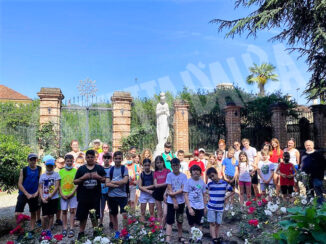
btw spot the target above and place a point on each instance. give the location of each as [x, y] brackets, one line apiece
[50, 108]
[319, 113]
[180, 125]
[279, 123]
[121, 109]
[232, 124]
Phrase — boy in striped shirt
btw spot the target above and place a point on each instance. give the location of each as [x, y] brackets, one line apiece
[216, 191]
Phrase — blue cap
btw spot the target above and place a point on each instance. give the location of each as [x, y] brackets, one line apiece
[32, 155]
[48, 160]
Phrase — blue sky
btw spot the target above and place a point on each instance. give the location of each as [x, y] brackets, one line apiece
[166, 45]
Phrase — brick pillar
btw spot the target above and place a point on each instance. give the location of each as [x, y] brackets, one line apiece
[232, 124]
[279, 123]
[121, 105]
[319, 113]
[50, 108]
[180, 125]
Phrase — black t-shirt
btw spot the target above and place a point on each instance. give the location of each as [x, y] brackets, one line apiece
[91, 188]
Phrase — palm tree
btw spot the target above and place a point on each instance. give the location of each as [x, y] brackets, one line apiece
[261, 75]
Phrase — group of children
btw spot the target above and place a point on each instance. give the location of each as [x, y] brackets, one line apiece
[168, 184]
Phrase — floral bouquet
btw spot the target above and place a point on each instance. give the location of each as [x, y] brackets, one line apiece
[93, 217]
[196, 235]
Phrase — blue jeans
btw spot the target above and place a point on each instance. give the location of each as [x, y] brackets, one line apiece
[317, 186]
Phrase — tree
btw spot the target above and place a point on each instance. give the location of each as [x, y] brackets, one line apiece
[303, 29]
[261, 75]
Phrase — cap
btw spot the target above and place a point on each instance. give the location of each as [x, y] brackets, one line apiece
[201, 150]
[196, 153]
[97, 141]
[32, 155]
[50, 162]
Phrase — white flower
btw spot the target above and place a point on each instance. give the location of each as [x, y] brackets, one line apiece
[232, 213]
[246, 241]
[258, 226]
[196, 233]
[97, 239]
[278, 201]
[87, 242]
[283, 209]
[304, 201]
[268, 212]
[45, 242]
[229, 234]
[293, 194]
[105, 240]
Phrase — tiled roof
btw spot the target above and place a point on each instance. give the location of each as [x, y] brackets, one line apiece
[10, 94]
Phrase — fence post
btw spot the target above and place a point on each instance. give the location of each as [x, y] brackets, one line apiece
[279, 123]
[232, 124]
[121, 110]
[319, 113]
[180, 124]
[50, 109]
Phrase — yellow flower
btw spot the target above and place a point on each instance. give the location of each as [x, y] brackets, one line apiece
[149, 233]
[296, 202]
[266, 222]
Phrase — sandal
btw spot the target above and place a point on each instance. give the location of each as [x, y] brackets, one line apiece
[182, 240]
[64, 233]
[71, 233]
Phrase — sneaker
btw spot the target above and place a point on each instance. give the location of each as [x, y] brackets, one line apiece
[58, 222]
[227, 206]
[81, 235]
[39, 223]
[100, 226]
[111, 225]
[48, 233]
[30, 235]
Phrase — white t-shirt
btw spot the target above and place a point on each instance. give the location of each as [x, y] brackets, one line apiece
[184, 167]
[195, 190]
[244, 174]
[177, 182]
[266, 170]
[251, 154]
[236, 154]
[293, 156]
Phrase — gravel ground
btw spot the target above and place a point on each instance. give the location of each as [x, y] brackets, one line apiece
[7, 222]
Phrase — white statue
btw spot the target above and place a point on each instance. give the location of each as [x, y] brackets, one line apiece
[162, 125]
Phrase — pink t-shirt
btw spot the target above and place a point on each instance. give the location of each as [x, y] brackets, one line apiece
[160, 176]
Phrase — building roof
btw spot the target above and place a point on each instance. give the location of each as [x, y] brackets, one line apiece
[9, 94]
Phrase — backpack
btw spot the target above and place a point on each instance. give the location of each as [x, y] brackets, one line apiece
[39, 168]
[122, 172]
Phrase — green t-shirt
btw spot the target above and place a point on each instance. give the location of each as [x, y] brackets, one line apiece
[67, 180]
[166, 161]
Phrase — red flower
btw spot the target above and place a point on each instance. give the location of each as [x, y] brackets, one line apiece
[153, 230]
[130, 221]
[48, 238]
[124, 216]
[258, 195]
[253, 222]
[151, 219]
[10, 242]
[248, 203]
[254, 200]
[264, 200]
[18, 229]
[58, 237]
[251, 210]
[21, 218]
[151, 224]
[124, 232]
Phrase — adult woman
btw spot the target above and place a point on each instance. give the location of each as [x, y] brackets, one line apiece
[275, 155]
[147, 153]
[294, 158]
[75, 150]
[236, 146]
[222, 147]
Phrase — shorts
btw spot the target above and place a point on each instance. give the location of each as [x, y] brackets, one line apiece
[115, 202]
[104, 200]
[214, 216]
[158, 193]
[21, 202]
[172, 213]
[84, 205]
[132, 193]
[230, 178]
[254, 179]
[146, 198]
[70, 203]
[192, 220]
[244, 183]
[264, 186]
[50, 208]
[286, 190]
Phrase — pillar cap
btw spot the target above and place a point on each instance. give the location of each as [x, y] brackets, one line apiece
[47, 92]
[278, 105]
[181, 103]
[121, 96]
[318, 107]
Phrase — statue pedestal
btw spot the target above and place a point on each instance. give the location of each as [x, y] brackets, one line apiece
[158, 150]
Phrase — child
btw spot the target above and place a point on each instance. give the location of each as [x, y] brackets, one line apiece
[133, 170]
[28, 190]
[216, 192]
[48, 190]
[244, 177]
[118, 188]
[67, 192]
[59, 164]
[160, 175]
[106, 158]
[167, 155]
[88, 178]
[196, 161]
[79, 162]
[194, 193]
[212, 162]
[146, 184]
[202, 154]
[287, 171]
[175, 201]
[265, 171]
[183, 164]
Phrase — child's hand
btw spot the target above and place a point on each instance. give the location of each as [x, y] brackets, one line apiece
[95, 176]
[191, 211]
[290, 176]
[35, 194]
[86, 176]
[176, 205]
[150, 192]
[29, 196]
[44, 200]
[164, 198]
[205, 211]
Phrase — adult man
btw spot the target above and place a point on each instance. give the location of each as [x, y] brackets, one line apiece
[313, 163]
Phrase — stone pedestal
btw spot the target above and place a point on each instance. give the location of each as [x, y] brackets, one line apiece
[319, 113]
[121, 110]
[232, 124]
[50, 108]
[180, 125]
[279, 123]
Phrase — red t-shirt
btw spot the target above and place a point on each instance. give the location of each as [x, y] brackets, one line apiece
[200, 164]
[274, 157]
[287, 169]
[160, 176]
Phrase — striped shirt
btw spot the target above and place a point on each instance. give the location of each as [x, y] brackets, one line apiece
[216, 192]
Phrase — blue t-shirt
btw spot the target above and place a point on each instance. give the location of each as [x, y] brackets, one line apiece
[105, 189]
[31, 180]
[216, 191]
[229, 167]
